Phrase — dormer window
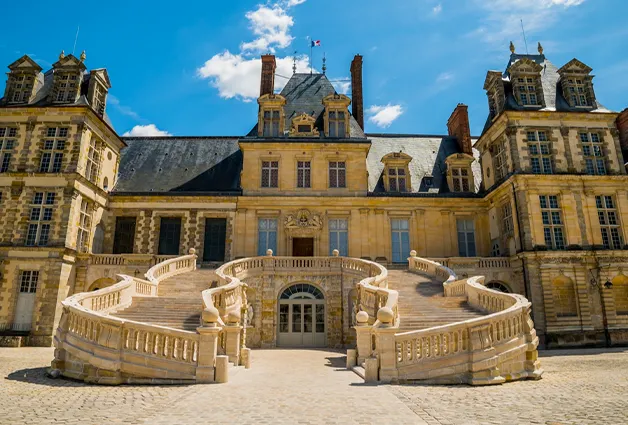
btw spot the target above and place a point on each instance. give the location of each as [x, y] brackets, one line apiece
[22, 81]
[396, 172]
[525, 89]
[459, 174]
[271, 115]
[67, 78]
[577, 84]
[99, 85]
[494, 86]
[336, 115]
[303, 126]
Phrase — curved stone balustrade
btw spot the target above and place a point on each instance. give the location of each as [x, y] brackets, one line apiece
[499, 347]
[93, 346]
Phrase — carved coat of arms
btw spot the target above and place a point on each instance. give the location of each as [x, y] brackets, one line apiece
[303, 219]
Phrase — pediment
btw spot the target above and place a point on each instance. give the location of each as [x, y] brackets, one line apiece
[69, 61]
[102, 75]
[399, 157]
[336, 98]
[526, 66]
[303, 126]
[574, 66]
[272, 99]
[25, 63]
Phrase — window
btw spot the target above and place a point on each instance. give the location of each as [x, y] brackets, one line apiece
[466, 237]
[267, 235]
[337, 174]
[272, 119]
[28, 281]
[540, 152]
[507, 222]
[270, 173]
[400, 240]
[460, 178]
[592, 152]
[99, 99]
[337, 124]
[42, 207]
[169, 236]
[52, 151]
[525, 89]
[397, 179]
[609, 222]
[576, 92]
[495, 249]
[303, 174]
[66, 88]
[8, 142]
[21, 87]
[338, 236]
[553, 229]
[499, 161]
[124, 237]
[85, 226]
[94, 156]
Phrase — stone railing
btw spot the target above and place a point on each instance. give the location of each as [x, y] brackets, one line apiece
[125, 259]
[498, 347]
[93, 346]
[475, 263]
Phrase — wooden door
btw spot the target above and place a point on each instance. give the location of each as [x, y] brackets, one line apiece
[303, 247]
[215, 235]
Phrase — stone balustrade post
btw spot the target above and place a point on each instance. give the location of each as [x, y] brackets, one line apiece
[532, 365]
[207, 352]
[363, 337]
[232, 342]
[386, 350]
[483, 359]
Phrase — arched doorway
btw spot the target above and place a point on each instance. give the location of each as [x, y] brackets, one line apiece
[498, 286]
[302, 317]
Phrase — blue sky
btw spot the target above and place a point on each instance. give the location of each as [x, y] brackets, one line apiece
[192, 68]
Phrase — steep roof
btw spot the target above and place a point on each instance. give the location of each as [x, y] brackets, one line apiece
[180, 164]
[552, 91]
[304, 93]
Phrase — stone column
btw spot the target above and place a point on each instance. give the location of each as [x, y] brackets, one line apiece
[232, 343]
[363, 337]
[207, 351]
[386, 352]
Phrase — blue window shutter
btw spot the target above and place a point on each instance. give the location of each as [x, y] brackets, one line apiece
[396, 255]
[405, 247]
[272, 241]
[261, 246]
[344, 244]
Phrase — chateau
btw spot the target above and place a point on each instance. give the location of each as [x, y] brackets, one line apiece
[536, 204]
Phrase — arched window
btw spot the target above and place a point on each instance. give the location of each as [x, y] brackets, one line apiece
[498, 286]
[301, 291]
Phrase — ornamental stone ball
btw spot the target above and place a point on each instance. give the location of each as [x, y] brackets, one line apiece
[269, 252]
[385, 315]
[335, 253]
[362, 317]
[191, 251]
[413, 253]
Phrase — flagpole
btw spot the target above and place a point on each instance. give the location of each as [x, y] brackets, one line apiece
[311, 46]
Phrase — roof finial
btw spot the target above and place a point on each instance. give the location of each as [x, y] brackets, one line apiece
[61, 55]
[294, 63]
[83, 56]
[540, 48]
[324, 66]
[512, 47]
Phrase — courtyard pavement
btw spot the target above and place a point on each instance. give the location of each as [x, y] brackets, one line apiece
[312, 387]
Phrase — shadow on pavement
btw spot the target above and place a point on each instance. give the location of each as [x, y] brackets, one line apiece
[581, 351]
[37, 376]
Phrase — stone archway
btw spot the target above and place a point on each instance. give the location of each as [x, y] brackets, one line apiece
[101, 283]
[498, 286]
[301, 317]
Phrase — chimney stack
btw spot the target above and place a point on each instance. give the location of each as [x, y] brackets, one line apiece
[357, 100]
[458, 126]
[267, 84]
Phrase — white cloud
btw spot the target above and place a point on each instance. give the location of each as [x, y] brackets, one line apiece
[342, 85]
[444, 77]
[503, 17]
[383, 116]
[272, 25]
[236, 76]
[437, 9]
[124, 110]
[149, 130]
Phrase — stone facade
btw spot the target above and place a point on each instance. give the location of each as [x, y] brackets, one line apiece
[570, 303]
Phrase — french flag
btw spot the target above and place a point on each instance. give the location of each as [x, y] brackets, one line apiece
[316, 43]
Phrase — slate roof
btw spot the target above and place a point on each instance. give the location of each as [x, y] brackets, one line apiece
[552, 90]
[305, 93]
[180, 164]
[428, 158]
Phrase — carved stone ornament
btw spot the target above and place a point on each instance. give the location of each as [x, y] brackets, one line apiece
[303, 219]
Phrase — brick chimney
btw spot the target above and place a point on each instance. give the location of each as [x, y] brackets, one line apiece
[267, 84]
[458, 127]
[622, 126]
[357, 100]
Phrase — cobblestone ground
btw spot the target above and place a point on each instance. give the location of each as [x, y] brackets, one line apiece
[311, 387]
